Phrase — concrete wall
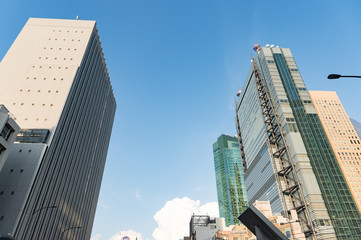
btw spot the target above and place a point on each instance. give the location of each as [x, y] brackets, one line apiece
[16, 179]
[6, 144]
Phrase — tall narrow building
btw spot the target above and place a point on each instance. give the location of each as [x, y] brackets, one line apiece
[357, 126]
[232, 198]
[343, 138]
[58, 87]
[286, 154]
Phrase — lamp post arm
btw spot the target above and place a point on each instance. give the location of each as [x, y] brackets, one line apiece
[337, 76]
[61, 235]
[42, 209]
[352, 76]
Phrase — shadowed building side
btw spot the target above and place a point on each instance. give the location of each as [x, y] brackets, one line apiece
[8, 131]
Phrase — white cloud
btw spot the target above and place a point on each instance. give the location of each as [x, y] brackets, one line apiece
[173, 219]
[132, 235]
[96, 237]
[137, 195]
[103, 205]
[210, 209]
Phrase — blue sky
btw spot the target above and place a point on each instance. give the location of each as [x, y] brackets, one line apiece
[175, 67]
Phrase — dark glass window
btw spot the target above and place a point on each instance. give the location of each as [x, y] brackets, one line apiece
[1, 148]
[6, 132]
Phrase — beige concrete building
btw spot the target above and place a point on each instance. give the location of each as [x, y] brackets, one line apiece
[290, 227]
[39, 69]
[58, 87]
[235, 232]
[343, 138]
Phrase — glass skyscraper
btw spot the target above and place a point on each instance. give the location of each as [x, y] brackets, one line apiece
[287, 157]
[232, 198]
[357, 126]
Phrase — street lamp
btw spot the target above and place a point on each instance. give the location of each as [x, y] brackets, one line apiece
[290, 223]
[337, 76]
[61, 235]
[43, 209]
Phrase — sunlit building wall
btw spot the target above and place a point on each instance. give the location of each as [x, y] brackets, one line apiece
[290, 227]
[343, 137]
[234, 232]
[329, 202]
[57, 81]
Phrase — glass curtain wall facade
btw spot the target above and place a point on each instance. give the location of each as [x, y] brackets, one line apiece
[338, 199]
[343, 138]
[329, 203]
[232, 198]
[357, 126]
[259, 174]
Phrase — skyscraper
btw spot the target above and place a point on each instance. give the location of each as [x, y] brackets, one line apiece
[286, 153]
[357, 126]
[232, 198]
[343, 138]
[58, 85]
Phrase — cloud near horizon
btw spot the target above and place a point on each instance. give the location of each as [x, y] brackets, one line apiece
[118, 236]
[96, 237]
[129, 233]
[173, 219]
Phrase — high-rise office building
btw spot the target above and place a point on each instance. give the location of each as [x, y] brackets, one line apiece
[357, 126]
[343, 138]
[232, 198]
[58, 87]
[286, 154]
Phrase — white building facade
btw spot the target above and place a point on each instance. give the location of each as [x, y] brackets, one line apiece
[58, 85]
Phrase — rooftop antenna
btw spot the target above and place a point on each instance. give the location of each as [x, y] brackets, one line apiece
[77, 17]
